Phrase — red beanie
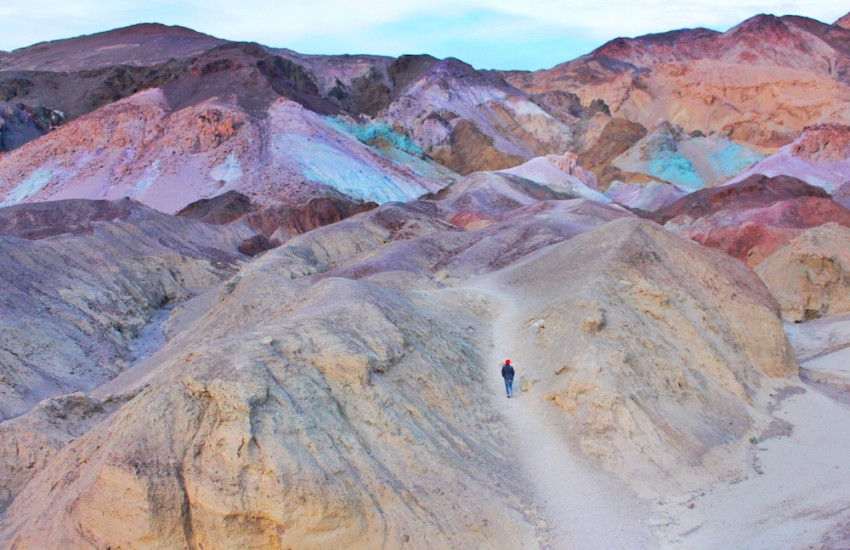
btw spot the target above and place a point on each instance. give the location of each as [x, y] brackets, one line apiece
[507, 361]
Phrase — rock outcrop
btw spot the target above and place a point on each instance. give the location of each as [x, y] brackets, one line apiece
[471, 120]
[333, 392]
[810, 276]
[20, 123]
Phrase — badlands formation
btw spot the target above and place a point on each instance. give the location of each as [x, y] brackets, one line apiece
[259, 299]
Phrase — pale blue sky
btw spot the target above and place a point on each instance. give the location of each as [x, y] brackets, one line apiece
[503, 34]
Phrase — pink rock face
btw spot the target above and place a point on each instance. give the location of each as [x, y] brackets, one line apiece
[751, 219]
[756, 191]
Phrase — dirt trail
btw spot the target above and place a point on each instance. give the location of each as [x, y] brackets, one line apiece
[794, 495]
[585, 509]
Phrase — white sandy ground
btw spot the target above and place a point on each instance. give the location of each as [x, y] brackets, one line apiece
[795, 494]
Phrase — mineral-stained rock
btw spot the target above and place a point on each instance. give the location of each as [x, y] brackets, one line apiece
[820, 156]
[688, 162]
[168, 158]
[810, 276]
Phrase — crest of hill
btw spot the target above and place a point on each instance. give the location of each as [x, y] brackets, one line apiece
[137, 45]
[757, 190]
[751, 219]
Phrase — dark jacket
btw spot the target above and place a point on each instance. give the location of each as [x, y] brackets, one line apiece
[507, 372]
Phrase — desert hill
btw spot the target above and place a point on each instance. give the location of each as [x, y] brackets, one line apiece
[324, 324]
[259, 299]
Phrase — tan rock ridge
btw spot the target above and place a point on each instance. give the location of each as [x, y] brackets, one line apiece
[625, 389]
[808, 276]
[340, 424]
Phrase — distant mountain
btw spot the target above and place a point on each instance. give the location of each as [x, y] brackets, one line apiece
[411, 122]
[758, 83]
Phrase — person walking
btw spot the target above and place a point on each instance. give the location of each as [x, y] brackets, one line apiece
[508, 375]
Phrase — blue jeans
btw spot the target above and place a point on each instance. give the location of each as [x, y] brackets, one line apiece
[509, 386]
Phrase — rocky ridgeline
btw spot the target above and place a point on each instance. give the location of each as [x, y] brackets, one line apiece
[378, 129]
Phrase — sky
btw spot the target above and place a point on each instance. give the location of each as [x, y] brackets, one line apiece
[488, 34]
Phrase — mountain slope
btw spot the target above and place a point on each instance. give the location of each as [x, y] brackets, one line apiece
[81, 281]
